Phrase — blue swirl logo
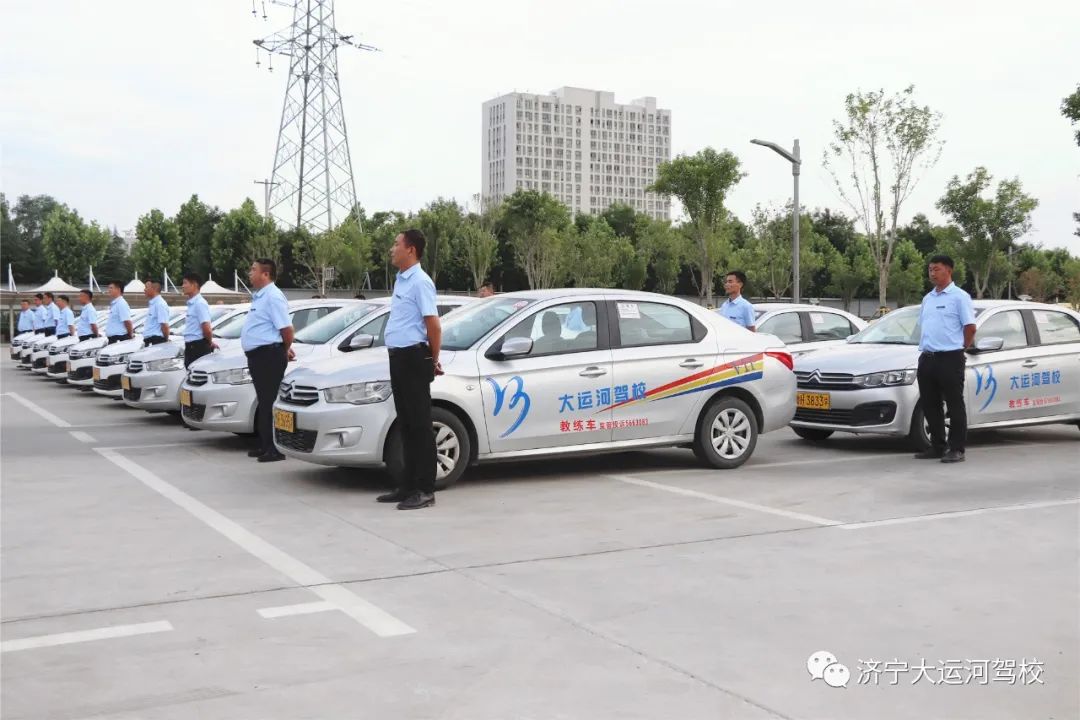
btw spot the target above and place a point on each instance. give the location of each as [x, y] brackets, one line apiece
[518, 398]
[985, 384]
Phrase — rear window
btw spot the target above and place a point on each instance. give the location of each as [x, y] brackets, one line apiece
[1056, 327]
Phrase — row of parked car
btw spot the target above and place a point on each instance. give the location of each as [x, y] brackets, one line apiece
[568, 372]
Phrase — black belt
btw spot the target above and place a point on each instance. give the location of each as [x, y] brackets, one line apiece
[941, 352]
[118, 338]
[153, 340]
[83, 338]
[61, 337]
[409, 348]
[271, 346]
[48, 332]
[200, 341]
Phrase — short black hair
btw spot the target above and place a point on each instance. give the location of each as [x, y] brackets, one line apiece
[152, 281]
[50, 295]
[739, 275]
[39, 296]
[192, 277]
[488, 283]
[941, 260]
[268, 266]
[65, 298]
[414, 238]
[118, 285]
[87, 293]
[25, 300]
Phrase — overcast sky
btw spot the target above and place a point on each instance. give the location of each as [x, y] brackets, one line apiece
[119, 106]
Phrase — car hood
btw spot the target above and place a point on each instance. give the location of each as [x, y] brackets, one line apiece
[363, 366]
[64, 343]
[161, 351]
[859, 358]
[24, 335]
[228, 359]
[92, 343]
[123, 347]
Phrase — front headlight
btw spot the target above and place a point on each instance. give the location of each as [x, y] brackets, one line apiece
[235, 376]
[176, 363]
[888, 378]
[119, 359]
[359, 393]
[91, 353]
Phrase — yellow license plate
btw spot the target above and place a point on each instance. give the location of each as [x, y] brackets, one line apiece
[285, 420]
[97, 374]
[813, 401]
[69, 366]
[125, 382]
[185, 398]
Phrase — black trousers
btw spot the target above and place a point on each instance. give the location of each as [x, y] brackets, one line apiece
[84, 337]
[153, 340]
[118, 338]
[195, 349]
[48, 332]
[411, 373]
[941, 378]
[267, 367]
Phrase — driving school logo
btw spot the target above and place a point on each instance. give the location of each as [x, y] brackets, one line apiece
[985, 384]
[518, 398]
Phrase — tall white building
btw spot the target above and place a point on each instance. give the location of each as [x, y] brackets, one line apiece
[578, 145]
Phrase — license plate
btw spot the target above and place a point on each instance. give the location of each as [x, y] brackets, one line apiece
[285, 420]
[813, 401]
[69, 366]
[125, 382]
[97, 374]
[185, 398]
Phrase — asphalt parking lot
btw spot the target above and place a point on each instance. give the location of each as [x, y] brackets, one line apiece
[153, 572]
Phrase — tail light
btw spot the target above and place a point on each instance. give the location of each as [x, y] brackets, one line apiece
[783, 357]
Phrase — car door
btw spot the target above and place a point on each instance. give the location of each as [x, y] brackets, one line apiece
[997, 385]
[824, 328]
[560, 393]
[662, 356]
[1055, 379]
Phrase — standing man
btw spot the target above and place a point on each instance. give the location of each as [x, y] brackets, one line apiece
[486, 290]
[66, 325]
[947, 322]
[50, 315]
[198, 337]
[39, 314]
[87, 326]
[156, 327]
[736, 308]
[26, 317]
[119, 326]
[413, 336]
[266, 339]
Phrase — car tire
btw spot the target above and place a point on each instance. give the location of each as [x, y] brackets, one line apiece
[453, 449]
[919, 434]
[813, 434]
[726, 433]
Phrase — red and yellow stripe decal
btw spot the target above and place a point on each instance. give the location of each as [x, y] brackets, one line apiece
[751, 367]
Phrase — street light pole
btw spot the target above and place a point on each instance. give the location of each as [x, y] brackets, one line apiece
[795, 158]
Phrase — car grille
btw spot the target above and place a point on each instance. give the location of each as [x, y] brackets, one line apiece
[83, 373]
[76, 354]
[41, 362]
[58, 368]
[198, 377]
[134, 366]
[195, 411]
[300, 441]
[109, 383]
[814, 380]
[875, 413]
[102, 361]
[56, 350]
[133, 394]
[298, 394]
[835, 417]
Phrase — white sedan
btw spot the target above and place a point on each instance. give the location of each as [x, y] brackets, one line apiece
[806, 328]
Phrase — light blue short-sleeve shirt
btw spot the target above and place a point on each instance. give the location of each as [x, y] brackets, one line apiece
[198, 312]
[269, 315]
[26, 320]
[943, 317]
[119, 311]
[39, 317]
[52, 315]
[67, 319]
[413, 300]
[738, 311]
[87, 317]
[157, 312]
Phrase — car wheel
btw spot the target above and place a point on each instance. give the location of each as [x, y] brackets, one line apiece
[919, 435]
[727, 434]
[453, 449]
[812, 434]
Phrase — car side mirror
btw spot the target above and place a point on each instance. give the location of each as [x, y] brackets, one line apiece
[515, 347]
[361, 342]
[987, 344]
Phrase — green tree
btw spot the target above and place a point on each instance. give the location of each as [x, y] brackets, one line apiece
[440, 222]
[879, 152]
[1070, 108]
[588, 257]
[989, 225]
[383, 228]
[663, 247]
[766, 260]
[26, 252]
[477, 247]
[852, 271]
[354, 264]
[536, 224]
[314, 254]
[836, 227]
[61, 241]
[701, 183]
[12, 249]
[235, 238]
[908, 273]
[622, 219]
[116, 263]
[1071, 276]
[196, 221]
[157, 246]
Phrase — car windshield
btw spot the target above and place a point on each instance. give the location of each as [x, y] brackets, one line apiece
[230, 329]
[465, 326]
[900, 327]
[326, 328]
[219, 311]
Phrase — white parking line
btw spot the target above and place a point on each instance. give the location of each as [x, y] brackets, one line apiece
[105, 633]
[299, 609]
[35, 408]
[802, 517]
[370, 616]
[956, 514]
[81, 436]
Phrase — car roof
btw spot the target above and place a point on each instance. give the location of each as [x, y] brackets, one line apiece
[578, 292]
[322, 302]
[773, 306]
[438, 299]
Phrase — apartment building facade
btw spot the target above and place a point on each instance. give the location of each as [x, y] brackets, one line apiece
[578, 145]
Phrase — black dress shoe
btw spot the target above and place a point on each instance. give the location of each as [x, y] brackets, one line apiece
[930, 454]
[953, 456]
[257, 452]
[271, 457]
[398, 495]
[416, 501]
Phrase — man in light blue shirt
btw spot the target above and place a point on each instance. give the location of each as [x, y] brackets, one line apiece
[156, 326]
[198, 337]
[87, 326]
[38, 313]
[947, 327]
[736, 308]
[26, 317]
[413, 336]
[119, 326]
[50, 314]
[65, 326]
[266, 339]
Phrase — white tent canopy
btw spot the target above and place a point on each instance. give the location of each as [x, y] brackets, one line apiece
[56, 285]
[135, 286]
[210, 287]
